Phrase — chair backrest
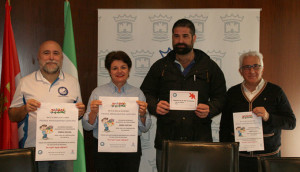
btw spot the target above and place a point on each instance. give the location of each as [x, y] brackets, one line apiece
[279, 164]
[18, 160]
[180, 156]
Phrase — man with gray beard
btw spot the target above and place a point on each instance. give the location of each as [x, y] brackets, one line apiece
[49, 84]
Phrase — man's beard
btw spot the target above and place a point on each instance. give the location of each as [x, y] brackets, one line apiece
[182, 51]
[51, 70]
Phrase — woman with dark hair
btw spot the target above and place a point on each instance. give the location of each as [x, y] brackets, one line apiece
[118, 65]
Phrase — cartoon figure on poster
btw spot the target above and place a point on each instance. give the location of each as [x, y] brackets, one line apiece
[46, 130]
[240, 131]
[107, 123]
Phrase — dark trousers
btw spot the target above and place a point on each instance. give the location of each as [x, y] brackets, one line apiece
[54, 166]
[250, 164]
[117, 162]
[158, 160]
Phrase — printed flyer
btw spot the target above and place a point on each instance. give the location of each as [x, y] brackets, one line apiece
[248, 131]
[118, 124]
[183, 100]
[56, 132]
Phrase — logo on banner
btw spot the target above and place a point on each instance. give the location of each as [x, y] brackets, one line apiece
[160, 25]
[142, 62]
[101, 63]
[124, 27]
[216, 56]
[232, 27]
[165, 53]
[199, 22]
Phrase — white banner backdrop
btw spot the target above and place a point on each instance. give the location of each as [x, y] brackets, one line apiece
[146, 36]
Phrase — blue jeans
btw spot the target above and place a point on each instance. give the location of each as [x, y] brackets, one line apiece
[55, 166]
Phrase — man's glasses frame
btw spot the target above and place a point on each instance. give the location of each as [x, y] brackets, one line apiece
[256, 67]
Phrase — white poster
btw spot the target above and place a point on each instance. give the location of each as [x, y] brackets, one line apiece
[183, 100]
[248, 131]
[118, 124]
[56, 132]
[146, 36]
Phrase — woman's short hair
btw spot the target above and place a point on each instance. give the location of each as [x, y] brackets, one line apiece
[117, 55]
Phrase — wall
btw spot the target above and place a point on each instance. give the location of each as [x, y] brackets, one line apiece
[36, 21]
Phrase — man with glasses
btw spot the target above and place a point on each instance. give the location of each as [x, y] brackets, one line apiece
[264, 99]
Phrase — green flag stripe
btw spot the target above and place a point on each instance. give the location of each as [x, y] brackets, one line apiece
[69, 43]
[71, 65]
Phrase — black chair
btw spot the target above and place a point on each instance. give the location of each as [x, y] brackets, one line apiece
[279, 164]
[18, 160]
[180, 156]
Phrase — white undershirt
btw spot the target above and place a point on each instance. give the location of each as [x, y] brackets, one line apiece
[252, 94]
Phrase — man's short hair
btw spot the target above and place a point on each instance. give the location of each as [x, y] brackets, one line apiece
[251, 53]
[185, 23]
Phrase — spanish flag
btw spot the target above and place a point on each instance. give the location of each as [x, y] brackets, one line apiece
[10, 77]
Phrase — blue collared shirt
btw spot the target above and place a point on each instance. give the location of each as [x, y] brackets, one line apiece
[111, 90]
[185, 70]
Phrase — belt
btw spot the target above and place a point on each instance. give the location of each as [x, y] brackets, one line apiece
[251, 154]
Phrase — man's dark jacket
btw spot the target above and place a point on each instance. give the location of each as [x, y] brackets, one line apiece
[205, 77]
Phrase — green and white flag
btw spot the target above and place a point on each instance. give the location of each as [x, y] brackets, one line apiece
[70, 67]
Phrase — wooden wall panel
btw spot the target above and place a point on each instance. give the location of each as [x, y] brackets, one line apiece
[36, 21]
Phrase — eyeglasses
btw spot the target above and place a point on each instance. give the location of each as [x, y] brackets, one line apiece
[248, 67]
